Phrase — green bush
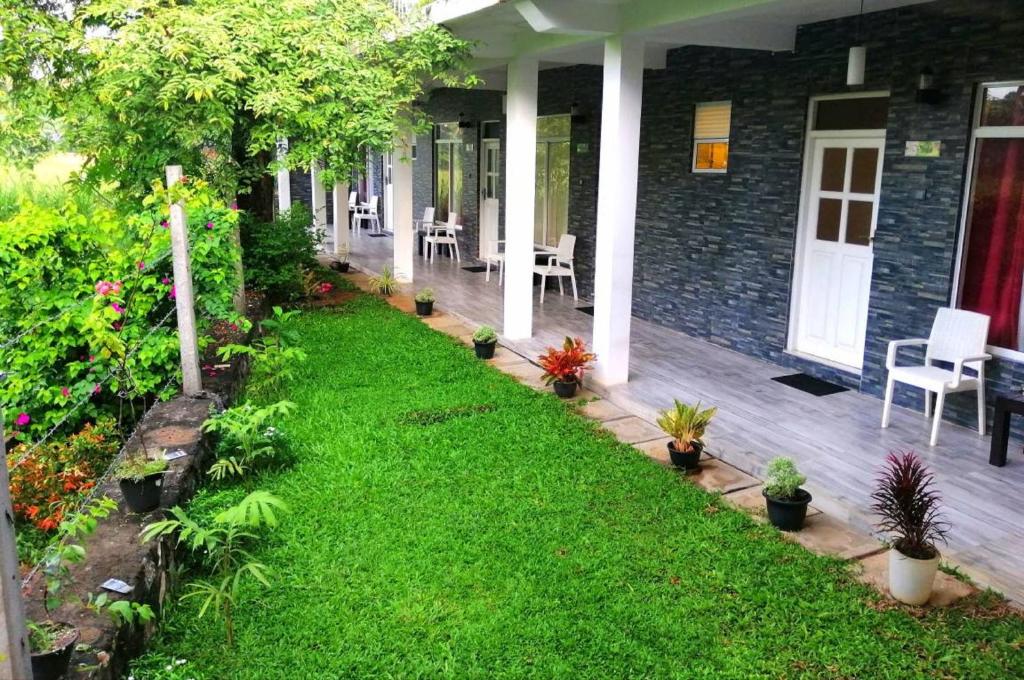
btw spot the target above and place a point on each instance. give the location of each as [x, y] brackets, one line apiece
[276, 254]
[783, 478]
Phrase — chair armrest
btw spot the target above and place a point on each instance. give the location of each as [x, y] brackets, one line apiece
[958, 367]
[890, 357]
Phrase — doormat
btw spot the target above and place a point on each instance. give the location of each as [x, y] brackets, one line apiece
[810, 384]
[476, 269]
[586, 310]
[377, 235]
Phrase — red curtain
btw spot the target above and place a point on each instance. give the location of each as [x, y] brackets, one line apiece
[995, 251]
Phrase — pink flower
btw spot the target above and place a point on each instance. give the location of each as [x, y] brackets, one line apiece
[92, 358]
[23, 419]
[65, 392]
[173, 294]
[234, 205]
[209, 225]
[234, 326]
[104, 288]
[96, 389]
[141, 265]
[116, 287]
[163, 224]
[165, 280]
[117, 308]
[326, 287]
[117, 325]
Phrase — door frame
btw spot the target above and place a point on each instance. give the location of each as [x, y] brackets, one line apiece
[548, 141]
[804, 209]
[388, 199]
[485, 142]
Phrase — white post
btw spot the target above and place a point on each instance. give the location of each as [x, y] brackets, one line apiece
[183, 299]
[342, 245]
[520, 173]
[15, 661]
[319, 197]
[284, 180]
[616, 206]
[401, 207]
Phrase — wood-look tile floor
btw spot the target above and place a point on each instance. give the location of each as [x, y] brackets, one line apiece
[836, 440]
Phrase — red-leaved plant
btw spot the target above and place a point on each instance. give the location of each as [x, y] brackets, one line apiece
[908, 506]
[566, 364]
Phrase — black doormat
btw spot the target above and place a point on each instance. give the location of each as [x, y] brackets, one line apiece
[586, 310]
[810, 384]
[377, 235]
[476, 269]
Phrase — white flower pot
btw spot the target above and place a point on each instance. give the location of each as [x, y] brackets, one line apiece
[911, 580]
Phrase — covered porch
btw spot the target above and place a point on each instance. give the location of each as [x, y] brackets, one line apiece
[836, 439]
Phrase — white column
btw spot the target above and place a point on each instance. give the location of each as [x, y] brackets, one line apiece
[401, 207]
[520, 173]
[15, 660]
[342, 246]
[616, 206]
[184, 301]
[319, 197]
[284, 182]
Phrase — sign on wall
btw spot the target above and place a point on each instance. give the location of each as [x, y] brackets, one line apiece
[922, 149]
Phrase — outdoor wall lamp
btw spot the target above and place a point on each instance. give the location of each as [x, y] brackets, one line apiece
[858, 56]
[463, 123]
[927, 91]
[576, 114]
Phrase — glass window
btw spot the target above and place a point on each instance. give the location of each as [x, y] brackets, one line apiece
[712, 122]
[554, 127]
[851, 113]
[447, 170]
[491, 129]
[992, 263]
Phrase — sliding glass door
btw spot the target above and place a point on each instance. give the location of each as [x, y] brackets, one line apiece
[551, 209]
[447, 171]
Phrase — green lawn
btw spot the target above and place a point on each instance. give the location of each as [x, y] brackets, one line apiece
[517, 540]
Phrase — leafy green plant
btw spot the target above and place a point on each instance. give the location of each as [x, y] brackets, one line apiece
[686, 424]
[425, 295]
[273, 358]
[276, 254]
[223, 547]
[138, 467]
[485, 335]
[384, 283]
[908, 506]
[126, 612]
[247, 437]
[782, 478]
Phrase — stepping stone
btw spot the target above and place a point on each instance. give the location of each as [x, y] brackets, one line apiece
[526, 373]
[504, 357]
[714, 475]
[826, 535]
[874, 571]
[441, 322]
[655, 449]
[631, 430]
[601, 409]
[406, 303]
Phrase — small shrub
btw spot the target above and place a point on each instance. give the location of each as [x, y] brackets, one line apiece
[248, 437]
[908, 506]
[686, 424]
[138, 467]
[277, 254]
[273, 358]
[783, 478]
[566, 364]
[485, 335]
[425, 295]
[384, 283]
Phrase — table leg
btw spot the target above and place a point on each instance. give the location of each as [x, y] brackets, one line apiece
[1000, 436]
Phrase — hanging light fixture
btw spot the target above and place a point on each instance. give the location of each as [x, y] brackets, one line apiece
[858, 56]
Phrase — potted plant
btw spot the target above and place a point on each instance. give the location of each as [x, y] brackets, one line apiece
[141, 480]
[341, 264]
[384, 283]
[908, 507]
[425, 302]
[563, 368]
[786, 501]
[686, 425]
[484, 341]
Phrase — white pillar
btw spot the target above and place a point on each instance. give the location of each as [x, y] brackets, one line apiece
[401, 207]
[342, 246]
[284, 181]
[520, 174]
[184, 301]
[616, 206]
[319, 197]
[15, 661]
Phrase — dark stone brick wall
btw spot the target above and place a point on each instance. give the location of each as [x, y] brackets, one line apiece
[302, 188]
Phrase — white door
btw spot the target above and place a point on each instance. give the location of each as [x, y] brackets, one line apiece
[490, 171]
[836, 234]
[389, 195]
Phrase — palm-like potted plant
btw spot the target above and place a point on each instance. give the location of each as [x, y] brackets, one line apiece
[564, 368]
[785, 500]
[384, 283]
[141, 480]
[425, 302]
[908, 507]
[686, 425]
[484, 341]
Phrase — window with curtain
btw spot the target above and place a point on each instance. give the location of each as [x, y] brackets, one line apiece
[711, 126]
[993, 259]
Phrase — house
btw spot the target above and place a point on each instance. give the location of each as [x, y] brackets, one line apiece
[723, 178]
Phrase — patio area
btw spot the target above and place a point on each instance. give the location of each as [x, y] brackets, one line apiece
[836, 440]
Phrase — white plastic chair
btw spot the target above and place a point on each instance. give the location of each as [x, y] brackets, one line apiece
[367, 212]
[351, 200]
[559, 264]
[490, 243]
[442, 235]
[425, 224]
[958, 337]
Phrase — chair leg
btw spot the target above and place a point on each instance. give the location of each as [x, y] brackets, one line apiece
[458, 258]
[940, 398]
[501, 273]
[890, 385]
[543, 285]
[927, 404]
[487, 276]
[561, 288]
[572, 277]
[981, 408]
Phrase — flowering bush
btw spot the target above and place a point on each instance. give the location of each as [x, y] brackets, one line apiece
[566, 364]
[82, 294]
[53, 478]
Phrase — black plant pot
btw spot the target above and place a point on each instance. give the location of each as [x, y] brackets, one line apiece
[565, 389]
[339, 266]
[788, 513]
[484, 350]
[143, 495]
[53, 664]
[424, 308]
[688, 460]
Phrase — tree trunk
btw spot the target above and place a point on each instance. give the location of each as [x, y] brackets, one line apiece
[259, 201]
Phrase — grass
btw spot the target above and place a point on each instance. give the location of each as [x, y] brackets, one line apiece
[449, 522]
